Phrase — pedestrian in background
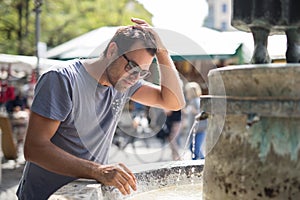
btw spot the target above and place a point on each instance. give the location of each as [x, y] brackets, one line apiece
[193, 93]
[173, 123]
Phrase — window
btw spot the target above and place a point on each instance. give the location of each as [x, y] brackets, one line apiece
[224, 8]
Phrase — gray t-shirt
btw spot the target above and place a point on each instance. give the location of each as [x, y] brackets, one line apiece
[89, 113]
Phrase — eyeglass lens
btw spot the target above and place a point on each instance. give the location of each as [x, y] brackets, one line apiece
[134, 68]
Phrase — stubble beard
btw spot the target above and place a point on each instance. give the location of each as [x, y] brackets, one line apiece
[118, 84]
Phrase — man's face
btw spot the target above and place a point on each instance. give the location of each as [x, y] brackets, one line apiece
[129, 68]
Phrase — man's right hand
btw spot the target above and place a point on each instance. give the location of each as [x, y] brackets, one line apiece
[117, 175]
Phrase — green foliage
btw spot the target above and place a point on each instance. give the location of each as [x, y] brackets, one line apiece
[60, 21]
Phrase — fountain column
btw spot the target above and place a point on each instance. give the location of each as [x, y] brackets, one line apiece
[253, 137]
[255, 154]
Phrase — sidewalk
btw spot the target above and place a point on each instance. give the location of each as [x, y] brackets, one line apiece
[11, 174]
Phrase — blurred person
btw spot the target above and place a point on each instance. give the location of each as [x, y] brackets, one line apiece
[19, 103]
[76, 109]
[18, 112]
[193, 93]
[173, 128]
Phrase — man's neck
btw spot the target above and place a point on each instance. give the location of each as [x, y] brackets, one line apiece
[96, 67]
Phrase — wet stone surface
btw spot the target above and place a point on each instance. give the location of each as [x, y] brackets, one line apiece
[149, 176]
[255, 153]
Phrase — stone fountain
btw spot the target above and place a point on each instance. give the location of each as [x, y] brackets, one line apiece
[150, 177]
[256, 155]
[253, 137]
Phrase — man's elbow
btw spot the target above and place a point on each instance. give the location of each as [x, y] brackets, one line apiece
[181, 105]
[31, 152]
[178, 106]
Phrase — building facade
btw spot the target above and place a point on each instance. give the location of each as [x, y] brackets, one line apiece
[219, 15]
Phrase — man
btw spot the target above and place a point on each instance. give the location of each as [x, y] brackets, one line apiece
[76, 109]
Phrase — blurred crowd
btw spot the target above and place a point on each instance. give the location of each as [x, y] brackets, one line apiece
[174, 127]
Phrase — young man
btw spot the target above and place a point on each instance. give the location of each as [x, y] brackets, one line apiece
[76, 110]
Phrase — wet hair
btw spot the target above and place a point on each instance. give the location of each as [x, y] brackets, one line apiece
[127, 36]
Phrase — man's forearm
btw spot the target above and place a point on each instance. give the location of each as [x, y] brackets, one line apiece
[54, 159]
[58, 161]
[170, 81]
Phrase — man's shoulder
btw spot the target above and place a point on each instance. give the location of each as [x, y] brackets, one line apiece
[66, 69]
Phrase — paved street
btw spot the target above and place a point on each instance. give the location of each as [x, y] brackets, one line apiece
[11, 173]
[144, 155]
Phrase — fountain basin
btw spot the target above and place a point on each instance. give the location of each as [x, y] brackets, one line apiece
[253, 133]
[150, 177]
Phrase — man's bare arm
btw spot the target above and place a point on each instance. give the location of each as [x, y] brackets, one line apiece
[40, 150]
[170, 93]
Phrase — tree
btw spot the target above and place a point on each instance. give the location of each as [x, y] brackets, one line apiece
[15, 26]
[60, 21]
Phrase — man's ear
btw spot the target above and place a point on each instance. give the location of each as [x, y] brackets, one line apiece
[112, 50]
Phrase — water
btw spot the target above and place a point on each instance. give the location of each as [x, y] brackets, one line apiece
[193, 134]
[179, 192]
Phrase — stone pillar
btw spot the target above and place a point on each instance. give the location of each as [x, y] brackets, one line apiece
[255, 154]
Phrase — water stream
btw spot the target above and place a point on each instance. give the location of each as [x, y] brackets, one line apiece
[192, 133]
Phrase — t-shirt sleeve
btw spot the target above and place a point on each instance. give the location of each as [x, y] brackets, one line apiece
[135, 87]
[52, 98]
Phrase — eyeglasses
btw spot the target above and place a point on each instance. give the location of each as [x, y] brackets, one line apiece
[134, 69]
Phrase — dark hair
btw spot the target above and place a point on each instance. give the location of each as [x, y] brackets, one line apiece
[126, 36]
